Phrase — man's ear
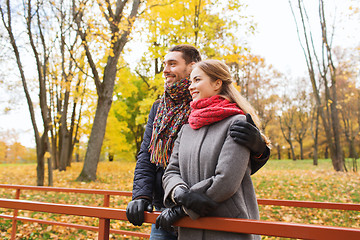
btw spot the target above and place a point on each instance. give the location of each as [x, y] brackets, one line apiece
[191, 65]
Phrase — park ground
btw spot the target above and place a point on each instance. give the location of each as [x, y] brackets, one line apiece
[279, 179]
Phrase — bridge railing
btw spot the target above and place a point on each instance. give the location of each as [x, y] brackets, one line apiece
[105, 214]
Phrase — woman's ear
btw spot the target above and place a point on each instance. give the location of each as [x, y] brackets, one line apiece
[218, 84]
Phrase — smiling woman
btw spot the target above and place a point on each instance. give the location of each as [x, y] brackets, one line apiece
[208, 172]
[213, 77]
[202, 86]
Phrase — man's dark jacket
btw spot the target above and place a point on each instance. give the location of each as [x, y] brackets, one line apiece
[148, 177]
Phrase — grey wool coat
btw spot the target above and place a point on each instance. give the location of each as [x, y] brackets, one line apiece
[208, 160]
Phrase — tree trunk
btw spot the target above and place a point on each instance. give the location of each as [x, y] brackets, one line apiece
[330, 121]
[358, 103]
[315, 152]
[338, 157]
[354, 165]
[63, 129]
[50, 172]
[111, 157]
[39, 140]
[316, 137]
[64, 154]
[289, 153]
[352, 149]
[105, 89]
[41, 148]
[49, 162]
[278, 151]
[337, 154]
[54, 151]
[326, 155]
[292, 151]
[40, 168]
[70, 152]
[92, 156]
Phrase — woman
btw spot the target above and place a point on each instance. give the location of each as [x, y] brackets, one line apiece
[206, 159]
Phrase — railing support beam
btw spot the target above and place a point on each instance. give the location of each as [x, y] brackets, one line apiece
[104, 223]
[104, 229]
[15, 214]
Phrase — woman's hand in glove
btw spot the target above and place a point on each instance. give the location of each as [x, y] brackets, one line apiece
[197, 202]
[168, 217]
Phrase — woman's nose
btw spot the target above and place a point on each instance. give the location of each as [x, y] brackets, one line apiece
[191, 86]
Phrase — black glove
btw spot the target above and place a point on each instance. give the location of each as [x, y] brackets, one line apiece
[135, 210]
[247, 134]
[197, 202]
[168, 217]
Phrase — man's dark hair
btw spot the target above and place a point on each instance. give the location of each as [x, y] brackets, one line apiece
[189, 53]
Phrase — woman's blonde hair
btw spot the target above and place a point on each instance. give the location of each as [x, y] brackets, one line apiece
[216, 69]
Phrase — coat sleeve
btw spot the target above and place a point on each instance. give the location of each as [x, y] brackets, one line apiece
[257, 163]
[172, 177]
[232, 165]
[145, 171]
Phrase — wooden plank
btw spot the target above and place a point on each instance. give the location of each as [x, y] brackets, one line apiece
[280, 229]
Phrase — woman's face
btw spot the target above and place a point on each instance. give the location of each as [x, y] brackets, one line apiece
[202, 86]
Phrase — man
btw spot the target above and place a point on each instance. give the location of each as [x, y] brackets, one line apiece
[166, 118]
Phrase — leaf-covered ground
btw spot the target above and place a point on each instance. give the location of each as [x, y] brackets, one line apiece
[285, 179]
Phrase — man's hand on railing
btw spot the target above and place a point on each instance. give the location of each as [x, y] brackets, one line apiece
[168, 217]
[135, 210]
[247, 134]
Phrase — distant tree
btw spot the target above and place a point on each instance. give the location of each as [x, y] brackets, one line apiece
[301, 115]
[41, 61]
[314, 130]
[52, 49]
[301, 129]
[3, 151]
[258, 82]
[114, 20]
[323, 63]
[348, 92]
[287, 122]
[278, 142]
[17, 152]
[66, 85]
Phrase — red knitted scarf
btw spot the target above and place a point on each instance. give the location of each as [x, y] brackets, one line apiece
[210, 110]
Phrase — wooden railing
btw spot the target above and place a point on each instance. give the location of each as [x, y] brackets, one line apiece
[105, 214]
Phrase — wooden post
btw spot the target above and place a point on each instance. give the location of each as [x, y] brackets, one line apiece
[104, 224]
[14, 220]
[50, 172]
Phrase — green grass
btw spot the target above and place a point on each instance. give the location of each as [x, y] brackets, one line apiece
[306, 164]
[301, 180]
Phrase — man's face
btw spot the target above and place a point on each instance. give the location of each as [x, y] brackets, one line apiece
[175, 68]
